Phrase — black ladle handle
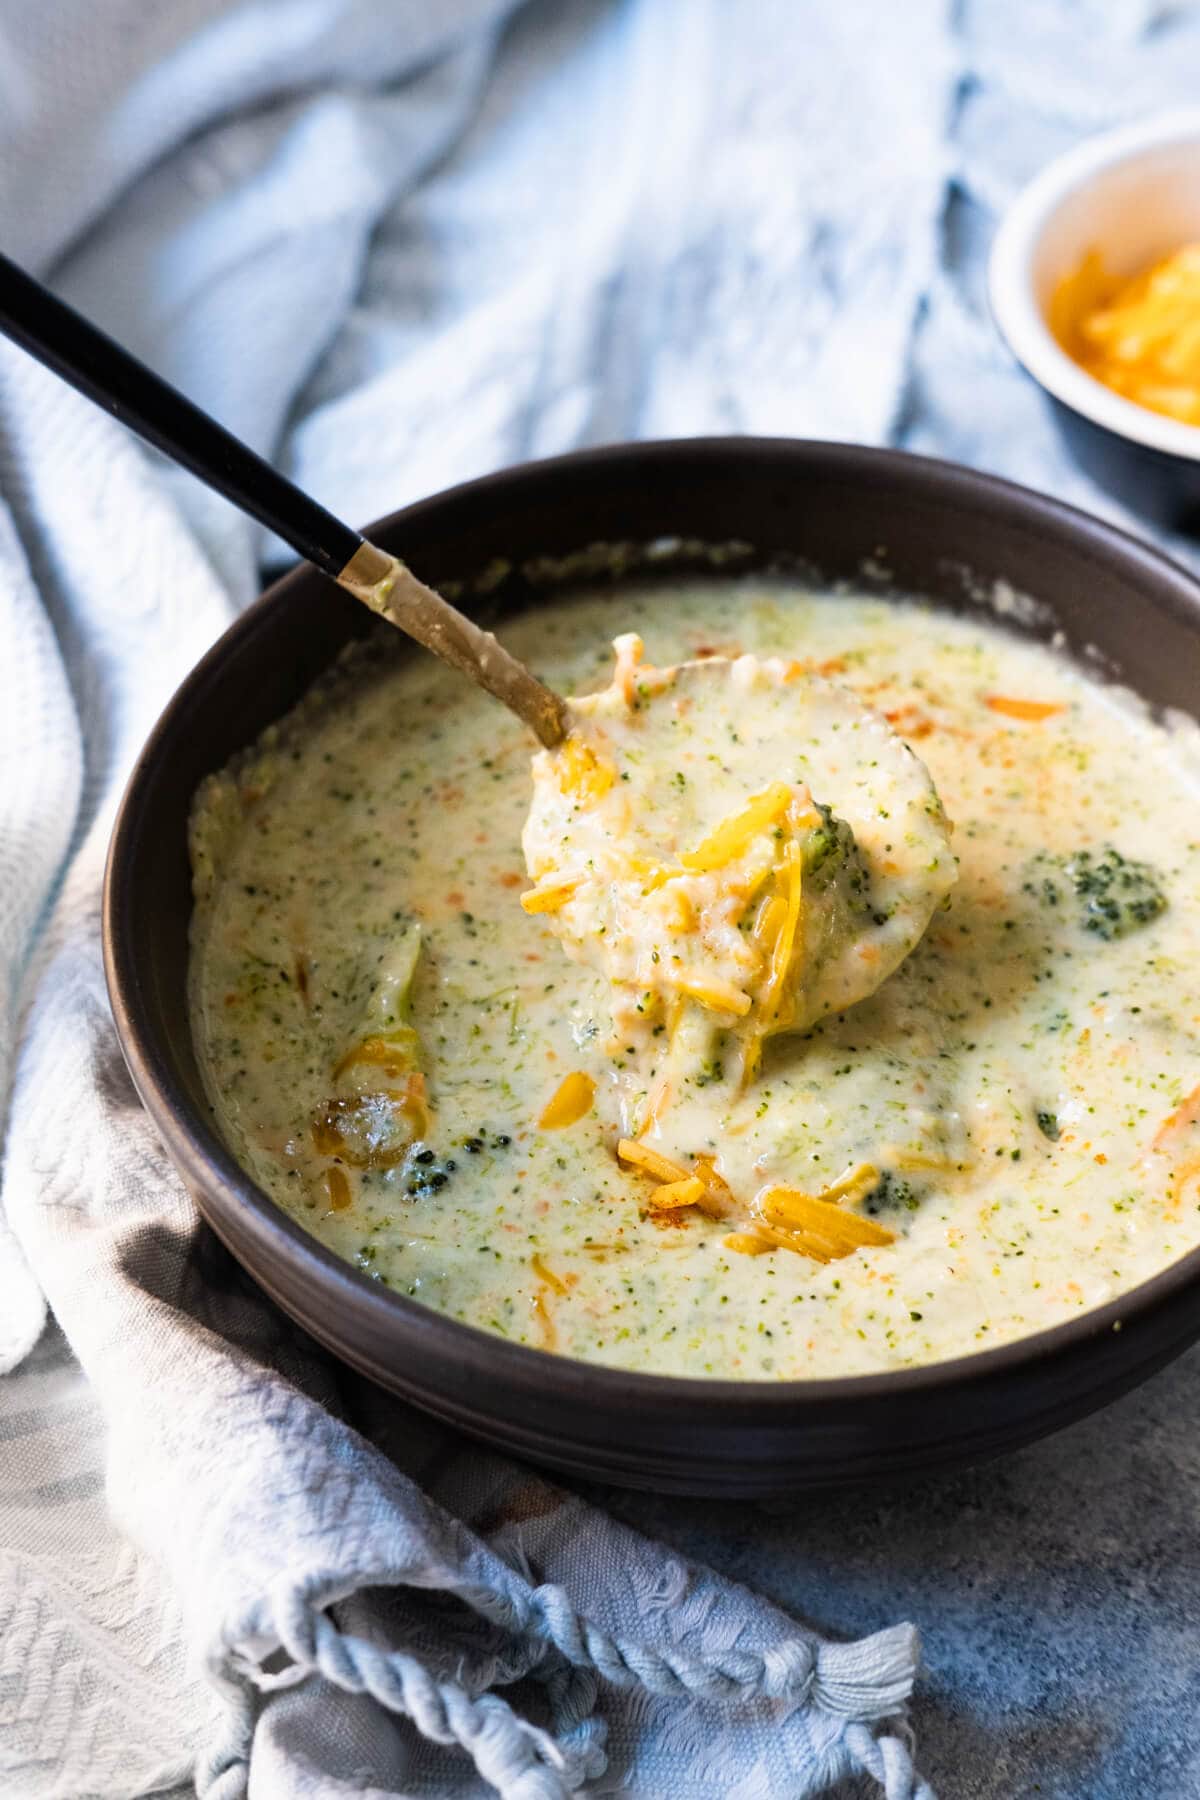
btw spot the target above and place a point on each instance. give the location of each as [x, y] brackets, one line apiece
[92, 362]
[84, 356]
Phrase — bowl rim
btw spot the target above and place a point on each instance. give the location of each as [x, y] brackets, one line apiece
[205, 1161]
[1015, 311]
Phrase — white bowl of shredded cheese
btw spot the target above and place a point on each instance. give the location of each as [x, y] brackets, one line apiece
[1120, 206]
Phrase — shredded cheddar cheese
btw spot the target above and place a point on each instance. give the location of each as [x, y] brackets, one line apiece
[545, 1273]
[854, 1184]
[394, 1055]
[672, 1194]
[415, 1106]
[1032, 710]
[711, 991]
[1138, 334]
[820, 1223]
[550, 896]
[779, 1217]
[571, 1100]
[337, 1187]
[778, 922]
[1186, 1113]
[733, 835]
[580, 771]
[683, 916]
[718, 1200]
[629, 648]
[650, 1162]
[768, 922]
[748, 1243]
[914, 1161]
[790, 875]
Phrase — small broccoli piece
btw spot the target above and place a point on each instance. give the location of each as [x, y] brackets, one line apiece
[892, 1193]
[831, 853]
[1049, 1126]
[1113, 895]
[832, 834]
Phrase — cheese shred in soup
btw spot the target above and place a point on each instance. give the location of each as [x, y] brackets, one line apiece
[1004, 1134]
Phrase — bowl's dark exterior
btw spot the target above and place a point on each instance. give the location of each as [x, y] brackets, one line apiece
[940, 530]
[1160, 487]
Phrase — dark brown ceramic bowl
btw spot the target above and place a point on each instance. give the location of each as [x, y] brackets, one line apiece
[940, 531]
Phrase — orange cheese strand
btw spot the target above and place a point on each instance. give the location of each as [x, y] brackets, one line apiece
[650, 1162]
[1185, 1114]
[777, 923]
[717, 1201]
[734, 834]
[791, 878]
[394, 1055]
[338, 1189]
[748, 1243]
[550, 897]
[769, 919]
[570, 1101]
[854, 1184]
[1032, 710]
[711, 991]
[657, 1105]
[1181, 1180]
[819, 1225]
[581, 771]
[416, 1106]
[545, 1273]
[671, 1195]
[783, 1218]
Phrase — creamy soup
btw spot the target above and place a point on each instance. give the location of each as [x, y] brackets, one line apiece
[408, 1063]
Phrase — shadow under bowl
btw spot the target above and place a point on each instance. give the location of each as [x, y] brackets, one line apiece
[512, 540]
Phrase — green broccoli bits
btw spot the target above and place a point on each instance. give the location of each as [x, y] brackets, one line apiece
[892, 1193]
[1108, 894]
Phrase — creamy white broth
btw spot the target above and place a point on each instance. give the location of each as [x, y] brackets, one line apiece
[1012, 1077]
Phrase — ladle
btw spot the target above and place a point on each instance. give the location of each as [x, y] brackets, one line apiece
[101, 369]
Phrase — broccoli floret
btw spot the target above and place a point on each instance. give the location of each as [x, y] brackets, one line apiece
[832, 834]
[831, 853]
[1110, 894]
[892, 1193]
[1049, 1126]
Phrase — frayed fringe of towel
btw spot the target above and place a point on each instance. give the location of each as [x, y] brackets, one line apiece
[860, 1683]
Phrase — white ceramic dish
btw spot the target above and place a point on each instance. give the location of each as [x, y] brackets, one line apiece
[1132, 195]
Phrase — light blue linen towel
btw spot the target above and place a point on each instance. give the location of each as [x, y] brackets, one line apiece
[395, 245]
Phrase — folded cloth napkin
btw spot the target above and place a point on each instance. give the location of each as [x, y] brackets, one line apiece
[393, 245]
